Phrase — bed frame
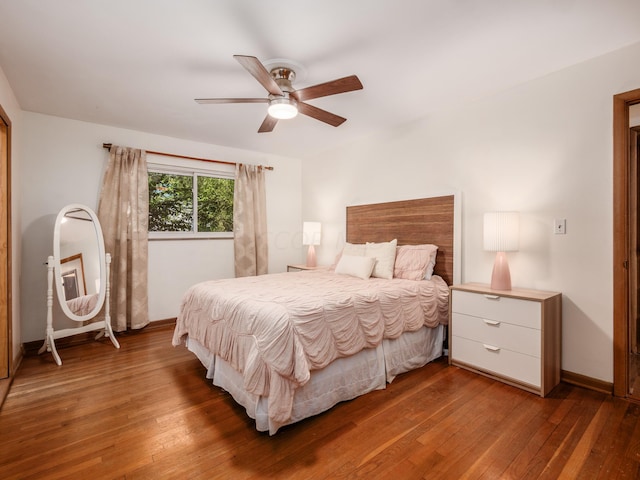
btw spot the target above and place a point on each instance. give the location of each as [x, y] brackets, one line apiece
[413, 222]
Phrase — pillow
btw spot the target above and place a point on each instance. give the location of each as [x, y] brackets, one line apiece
[356, 266]
[415, 262]
[356, 249]
[432, 265]
[385, 255]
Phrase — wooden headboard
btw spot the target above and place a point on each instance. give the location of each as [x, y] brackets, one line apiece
[412, 222]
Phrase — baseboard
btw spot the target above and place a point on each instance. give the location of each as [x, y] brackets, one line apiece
[5, 383]
[586, 382]
[161, 323]
[31, 348]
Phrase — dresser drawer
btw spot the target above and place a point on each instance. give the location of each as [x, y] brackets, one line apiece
[498, 334]
[494, 307]
[506, 363]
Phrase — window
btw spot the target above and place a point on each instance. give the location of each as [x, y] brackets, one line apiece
[190, 204]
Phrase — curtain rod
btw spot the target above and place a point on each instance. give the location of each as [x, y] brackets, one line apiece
[108, 146]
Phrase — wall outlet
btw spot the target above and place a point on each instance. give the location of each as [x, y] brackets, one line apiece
[560, 226]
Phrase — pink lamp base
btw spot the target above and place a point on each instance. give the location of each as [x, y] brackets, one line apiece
[501, 277]
[311, 256]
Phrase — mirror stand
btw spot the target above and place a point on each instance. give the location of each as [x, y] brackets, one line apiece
[104, 325]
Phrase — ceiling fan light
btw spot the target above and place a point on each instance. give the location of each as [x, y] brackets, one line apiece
[282, 108]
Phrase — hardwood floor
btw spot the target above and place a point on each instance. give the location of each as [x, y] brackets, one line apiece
[146, 411]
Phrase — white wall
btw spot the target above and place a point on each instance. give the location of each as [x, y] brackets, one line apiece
[63, 162]
[544, 149]
[12, 109]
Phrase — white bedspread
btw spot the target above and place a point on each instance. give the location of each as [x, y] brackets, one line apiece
[274, 329]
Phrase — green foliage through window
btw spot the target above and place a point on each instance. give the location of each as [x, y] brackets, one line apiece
[190, 203]
[215, 204]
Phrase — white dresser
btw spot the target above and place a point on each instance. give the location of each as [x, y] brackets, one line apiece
[513, 336]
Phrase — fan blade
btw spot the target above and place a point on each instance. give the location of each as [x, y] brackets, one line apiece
[255, 68]
[205, 101]
[268, 124]
[341, 85]
[319, 114]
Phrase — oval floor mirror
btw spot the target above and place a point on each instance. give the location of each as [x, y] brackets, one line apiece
[79, 267]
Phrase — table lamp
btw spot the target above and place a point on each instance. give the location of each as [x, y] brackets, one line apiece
[501, 231]
[311, 236]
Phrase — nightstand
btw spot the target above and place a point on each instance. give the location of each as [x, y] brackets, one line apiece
[510, 335]
[300, 267]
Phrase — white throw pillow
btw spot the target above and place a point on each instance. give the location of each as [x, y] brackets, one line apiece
[354, 249]
[385, 255]
[356, 266]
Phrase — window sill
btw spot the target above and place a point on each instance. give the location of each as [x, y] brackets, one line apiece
[153, 236]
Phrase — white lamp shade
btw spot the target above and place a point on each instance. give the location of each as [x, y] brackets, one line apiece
[501, 231]
[311, 232]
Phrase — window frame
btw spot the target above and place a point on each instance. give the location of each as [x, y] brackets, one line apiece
[195, 173]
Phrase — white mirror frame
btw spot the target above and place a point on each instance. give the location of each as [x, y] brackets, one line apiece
[53, 265]
[58, 269]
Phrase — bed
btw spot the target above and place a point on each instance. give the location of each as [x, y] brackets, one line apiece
[291, 345]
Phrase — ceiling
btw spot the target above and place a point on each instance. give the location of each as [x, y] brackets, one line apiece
[139, 64]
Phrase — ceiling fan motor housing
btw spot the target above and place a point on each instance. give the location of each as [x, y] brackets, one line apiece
[283, 106]
[284, 77]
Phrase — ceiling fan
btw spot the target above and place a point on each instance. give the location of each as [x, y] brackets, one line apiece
[284, 101]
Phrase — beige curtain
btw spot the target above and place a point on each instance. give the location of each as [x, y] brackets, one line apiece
[250, 221]
[123, 212]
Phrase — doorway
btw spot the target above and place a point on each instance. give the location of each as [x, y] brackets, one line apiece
[626, 249]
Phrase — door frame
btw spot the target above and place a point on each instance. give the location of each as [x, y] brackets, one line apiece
[634, 190]
[6, 321]
[621, 239]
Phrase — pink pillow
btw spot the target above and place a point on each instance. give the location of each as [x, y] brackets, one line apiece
[415, 262]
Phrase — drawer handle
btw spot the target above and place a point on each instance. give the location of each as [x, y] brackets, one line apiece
[492, 297]
[491, 347]
[491, 322]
